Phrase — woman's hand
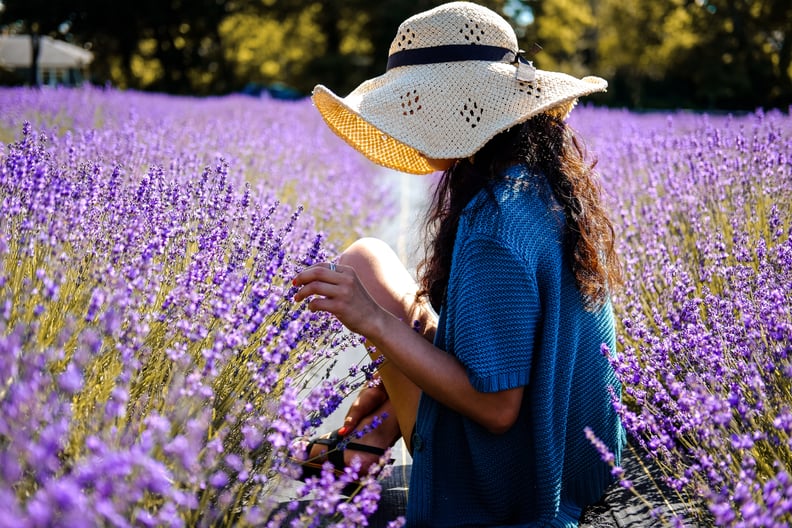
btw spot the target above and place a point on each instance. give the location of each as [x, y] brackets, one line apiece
[437, 373]
[339, 291]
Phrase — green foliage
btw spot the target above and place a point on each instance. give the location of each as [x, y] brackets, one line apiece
[728, 54]
[566, 30]
[264, 49]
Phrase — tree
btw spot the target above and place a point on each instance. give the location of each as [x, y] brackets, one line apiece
[211, 46]
[566, 30]
[170, 46]
[745, 54]
[39, 18]
[729, 54]
[664, 53]
[338, 44]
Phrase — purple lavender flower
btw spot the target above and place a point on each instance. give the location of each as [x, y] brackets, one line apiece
[147, 331]
[705, 314]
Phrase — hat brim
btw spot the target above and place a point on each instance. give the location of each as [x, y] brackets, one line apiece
[373, 143]
[443, 111]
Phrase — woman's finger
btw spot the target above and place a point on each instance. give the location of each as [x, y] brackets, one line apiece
[323, 304]
[325, 271]
[337, 290]
[317, 287]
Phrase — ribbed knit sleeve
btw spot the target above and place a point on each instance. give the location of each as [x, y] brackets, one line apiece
[494, 306]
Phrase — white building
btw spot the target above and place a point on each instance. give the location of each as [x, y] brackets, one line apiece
[59, 62]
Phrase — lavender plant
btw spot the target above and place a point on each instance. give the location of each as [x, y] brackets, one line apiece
[706, 331]
[154, 369]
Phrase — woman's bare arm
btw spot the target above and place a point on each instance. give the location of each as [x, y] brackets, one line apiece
[436, 372]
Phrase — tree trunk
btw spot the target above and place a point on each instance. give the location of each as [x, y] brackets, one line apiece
[35, 43]
[784, 65]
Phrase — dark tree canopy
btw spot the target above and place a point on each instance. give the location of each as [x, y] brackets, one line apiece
[714, 54]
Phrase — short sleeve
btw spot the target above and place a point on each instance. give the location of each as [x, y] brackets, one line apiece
[493, 312]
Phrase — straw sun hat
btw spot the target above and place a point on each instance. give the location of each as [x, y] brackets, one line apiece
[455, 79]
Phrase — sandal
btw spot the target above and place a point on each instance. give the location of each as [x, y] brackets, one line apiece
[335, 455]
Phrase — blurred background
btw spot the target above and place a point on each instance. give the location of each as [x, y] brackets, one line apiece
[656, 54]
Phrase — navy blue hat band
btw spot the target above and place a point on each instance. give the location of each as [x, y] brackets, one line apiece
[451, 53]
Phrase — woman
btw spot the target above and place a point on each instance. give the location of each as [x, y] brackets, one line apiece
[491, 397]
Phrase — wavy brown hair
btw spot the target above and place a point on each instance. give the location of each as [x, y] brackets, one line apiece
[547, 146]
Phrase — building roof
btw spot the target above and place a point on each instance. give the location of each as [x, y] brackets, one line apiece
[16, 52]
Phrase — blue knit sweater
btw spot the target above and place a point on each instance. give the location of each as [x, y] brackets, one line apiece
[513, 316]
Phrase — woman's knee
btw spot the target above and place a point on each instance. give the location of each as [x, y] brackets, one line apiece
[382, 273]
[376, 264]
[367, 252]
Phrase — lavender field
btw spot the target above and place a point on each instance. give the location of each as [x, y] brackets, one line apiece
[154, 370]
[702, 206]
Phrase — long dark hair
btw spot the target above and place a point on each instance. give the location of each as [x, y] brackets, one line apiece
[546, 145]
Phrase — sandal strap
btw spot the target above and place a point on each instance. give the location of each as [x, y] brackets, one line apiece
[334, 439]
[365, 448]
[331, 441]
[336, 457]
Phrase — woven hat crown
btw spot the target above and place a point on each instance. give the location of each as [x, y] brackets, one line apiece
[460, 23]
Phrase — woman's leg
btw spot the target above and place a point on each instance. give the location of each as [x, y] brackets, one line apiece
[392, 286]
